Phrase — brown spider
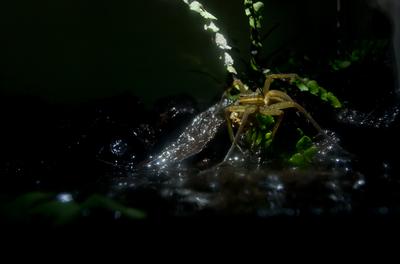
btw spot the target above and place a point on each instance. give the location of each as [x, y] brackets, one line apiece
[266, 102]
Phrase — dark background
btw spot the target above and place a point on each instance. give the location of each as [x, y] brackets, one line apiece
[70, 71]
[71, 51]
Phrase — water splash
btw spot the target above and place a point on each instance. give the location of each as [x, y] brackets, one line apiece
[234, 187]
[331, 186]
[193, 139]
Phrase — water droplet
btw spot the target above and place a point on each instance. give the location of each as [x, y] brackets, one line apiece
[117, 215]
[118, 147]
[386, 170]
[359, 184]
[64, 197]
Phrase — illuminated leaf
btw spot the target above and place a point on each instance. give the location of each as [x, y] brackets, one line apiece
[258, 6]
[297, 160]
[306, 151]
[304, 143]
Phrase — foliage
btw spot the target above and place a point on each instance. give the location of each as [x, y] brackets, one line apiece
[361, 51]
[254, 13]
[311, 86]
[219, 38]
[261, 134]
[61, 209]
[305, 152]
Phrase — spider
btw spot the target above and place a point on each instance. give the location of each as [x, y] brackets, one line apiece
[265, 102]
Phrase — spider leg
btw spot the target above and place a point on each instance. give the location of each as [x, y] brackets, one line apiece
[271, 77]
[292, 104]
[247, 110]
[229, 124]
[230, 130]
[278, 96]
[273, 112]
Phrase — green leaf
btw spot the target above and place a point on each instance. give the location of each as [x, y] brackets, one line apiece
[333, 100]
[98, 201]
[302, 86]
[343, 64]
[313, 87]
[304, 143]
[310, 153]
[252, 22]
[198, 8]
[305, 158]
[268, 143]
[254, 64]
[29, 200]
[259, 139]
[323, 95]
[306, 151]
[258, 6]
[21, 206]
[46, 207]
[297, 160]
[265, 121]
[58, 212]
[254, 136]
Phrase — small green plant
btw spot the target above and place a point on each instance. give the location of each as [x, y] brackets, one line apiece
[261, 134]
[305, 151]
